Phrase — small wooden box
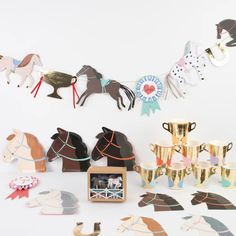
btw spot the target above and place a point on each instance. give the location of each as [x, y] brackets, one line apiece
[107, 184]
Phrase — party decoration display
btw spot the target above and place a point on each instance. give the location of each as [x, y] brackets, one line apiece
[160, 202]
[149, 89]
[140, 226]
[79, 226]
[26, 148]
[227, 26]
[21, 185]
[55, 202]
[115, 146]
[179, 75]
[212, 200]
[71, 149]
[149, 172]
[205, 225]
[22, 68]
[228, 175]
[107, 184]
[97, 84]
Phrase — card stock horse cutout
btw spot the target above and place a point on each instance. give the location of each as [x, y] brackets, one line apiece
[212, 200]
[115, 146]
[227, 26]
[161, 202]
[55, 202]
[26, 148]
[71, 149]
[96, 84]
[206, 226]
[22, 68]
[79, 227]
[141, 226]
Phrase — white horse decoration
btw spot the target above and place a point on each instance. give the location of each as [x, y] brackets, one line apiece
[181, 73]
[55, 202]
[115, 183]
[206, 226]
[22, 68]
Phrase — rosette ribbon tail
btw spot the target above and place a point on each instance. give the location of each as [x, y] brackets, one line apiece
[19, 193]
[150, 106]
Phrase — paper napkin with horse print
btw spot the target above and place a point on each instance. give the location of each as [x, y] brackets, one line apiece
[26, 148]
[205, 225]
[71, 149]
[140, 226]
[55, 202]
[115, 146]
[22, 68]
[160, 202]
[212, 200]
[79, 227]
[97, 84]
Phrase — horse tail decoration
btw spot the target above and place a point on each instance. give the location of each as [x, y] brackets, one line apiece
[130, 94]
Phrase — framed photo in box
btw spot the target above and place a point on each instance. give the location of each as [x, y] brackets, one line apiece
[107, 184]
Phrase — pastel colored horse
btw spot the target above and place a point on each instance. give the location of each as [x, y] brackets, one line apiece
[160, 202]
[71, 149]
[22, 68]
[115, 183]
[179, 76]
[227, 26]
[55, 202]
[79, 226]
[212, 200]
[206, 226]
[97, 84]
[115, 146]
[26, 148]
[141, 226]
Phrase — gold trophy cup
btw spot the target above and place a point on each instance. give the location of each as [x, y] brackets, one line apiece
[228, 175]
[149, 172]
[179, 130]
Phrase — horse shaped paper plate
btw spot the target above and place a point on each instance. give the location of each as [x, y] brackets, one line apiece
[205, 225]
[141, 226]
[97, 84]
[212, 200]
[161, 202]
[71, 148]
[55, 202]
[26, 148]
[115, 146]
[22, 68]
[79, 226]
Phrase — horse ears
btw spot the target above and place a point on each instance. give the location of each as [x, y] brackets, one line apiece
[143, 195]
[54, 136]
[125, 218]
[106, 130]
[10, 137]
[61, 131]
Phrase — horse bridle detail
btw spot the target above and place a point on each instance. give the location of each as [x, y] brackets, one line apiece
[109, 142]
[66, 144]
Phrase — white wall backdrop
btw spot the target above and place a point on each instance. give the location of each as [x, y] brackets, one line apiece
[123, 40]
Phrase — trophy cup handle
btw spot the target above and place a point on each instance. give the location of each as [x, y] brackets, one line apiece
[137, 169]
[229, 147]
[152, 147]
[213, 170]
[166, 126]
[203, 147]
[188, 170]
[177, 148]
[192, 126]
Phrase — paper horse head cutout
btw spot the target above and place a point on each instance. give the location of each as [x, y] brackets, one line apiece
[26, 148]
[115, 146]
[79, 227]
[55, 202]
[205, 225]
[22, 68]
[97, 84]
[227, 26]
[212, 200]
[71, 148]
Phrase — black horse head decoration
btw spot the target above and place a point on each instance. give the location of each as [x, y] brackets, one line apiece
[115, 146]
[71, 148]
[97, 84]
[229, 26]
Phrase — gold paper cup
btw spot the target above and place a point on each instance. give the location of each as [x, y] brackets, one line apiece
[218, 150]
[202, 172]
[176, 174]
[228, 175]
[149, 172]
[179, 130]
[163, 151]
